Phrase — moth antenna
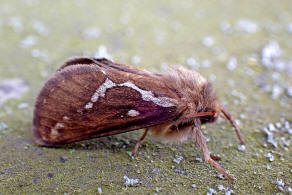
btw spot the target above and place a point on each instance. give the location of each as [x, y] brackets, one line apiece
[193, 115]
[232, 121]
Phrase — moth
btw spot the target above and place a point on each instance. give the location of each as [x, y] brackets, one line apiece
[88, 98]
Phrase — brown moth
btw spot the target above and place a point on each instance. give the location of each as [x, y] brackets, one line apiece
[88, 98]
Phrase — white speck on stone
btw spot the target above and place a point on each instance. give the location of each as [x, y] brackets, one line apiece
[208, 41]
[133, 113]
[207, 139]
[229, 192]
[102, 53]
[268, 167]
[130, 182]
[100, 92]
[237, 122]
[278, 125]
[287, 125]
[290, 28]
[270, 53]
[238, 94]
[241, 147]
[270, 157]
[289, 130]
[22, 105]
[199, 159]
[246, 26]
[89, 105]
[36, 53]
[289, 91]
[28, 42]
[275, 76]
[91, 33]
[221, 176]
[160, 36]
[164, 66]
[226, 27]
[3, 126]
[60, 125]
[192, 62]
[211, 191]
[148, 95]
[194, 185]
[280, 184]
[99, 190]
[206, 63]
[136, 59]
[157, 189]
[16, 24]
[221, 187]
[271, 127]
[40, 28]
[11, 89]
[212, 77]
[280, 65]
[270, 138]
[178, 159]
[232, 63]
[242, 116]
[276, 91]
[285, 142]
[249, 72]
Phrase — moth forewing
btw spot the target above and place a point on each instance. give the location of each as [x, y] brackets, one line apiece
[84, 101]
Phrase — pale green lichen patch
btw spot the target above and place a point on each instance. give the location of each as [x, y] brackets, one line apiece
[243, 47]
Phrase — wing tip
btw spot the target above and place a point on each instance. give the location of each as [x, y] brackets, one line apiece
[39, 141]
[37, 138]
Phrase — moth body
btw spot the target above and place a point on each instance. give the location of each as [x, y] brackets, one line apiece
[88, 98]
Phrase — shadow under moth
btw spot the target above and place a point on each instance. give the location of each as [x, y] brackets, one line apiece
[88, 98]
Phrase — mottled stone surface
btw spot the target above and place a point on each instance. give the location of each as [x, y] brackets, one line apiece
[243, 47]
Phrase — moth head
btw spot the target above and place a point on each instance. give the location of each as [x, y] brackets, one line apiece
[210, 109]
[208, 115]
[208, 106]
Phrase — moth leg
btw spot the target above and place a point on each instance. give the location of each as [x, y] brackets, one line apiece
[228, 116]
[200, 141]
[216, 158]
[139, 142]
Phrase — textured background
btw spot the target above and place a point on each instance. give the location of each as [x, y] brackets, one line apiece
[244, 47]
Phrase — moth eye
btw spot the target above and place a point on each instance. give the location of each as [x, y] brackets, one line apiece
[207, 119]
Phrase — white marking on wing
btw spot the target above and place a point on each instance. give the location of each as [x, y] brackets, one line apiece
[102, 89]
[60, 125]
[54, 132]
[66, 118]
[133, 113]
[89, 105]
[149, 96]
[146, 95]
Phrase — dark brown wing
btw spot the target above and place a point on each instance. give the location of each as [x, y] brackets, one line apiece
[85, 101]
